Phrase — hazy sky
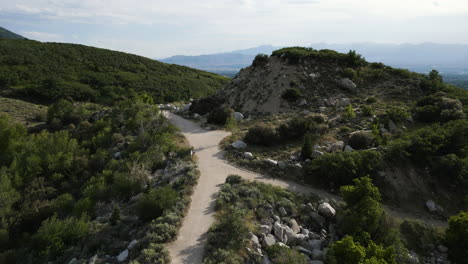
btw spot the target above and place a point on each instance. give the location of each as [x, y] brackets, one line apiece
[159, 29]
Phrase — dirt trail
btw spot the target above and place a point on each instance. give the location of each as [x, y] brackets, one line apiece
[189, 246]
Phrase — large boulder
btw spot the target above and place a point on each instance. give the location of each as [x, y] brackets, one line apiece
[283, 211]
[294, 226]
[271, 162]
[238, 116]
[278, 230]
[239, 144]
[122, 256]
[348, 84]
[269, 240]
[431, 206]
[326, 210]
[318, 254]
[264, 229]
[248, 155]
[336, 147]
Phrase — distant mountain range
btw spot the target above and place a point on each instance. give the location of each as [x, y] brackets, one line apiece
[447, 58]
[6, 34]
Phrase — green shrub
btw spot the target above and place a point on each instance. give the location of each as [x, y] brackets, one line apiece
[291, 94]
[342, 168]
[296, 128]
[349, 112]
[154, 254]
[397, 114]
[205, 105]
[161, 232]
[418, 236]
[220, 116]
[233, 179]
[308, 146]
[355, 60]
[283, 255]
[347, 251]
[152, 204]
[55, 235]
[260, 60]
[350, 73]
[371, 100]
[456, 238]
[362, 139]
[115, 217]
[367, 110]
[262, 134]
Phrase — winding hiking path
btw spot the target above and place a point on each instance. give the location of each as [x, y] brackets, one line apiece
[189, 246]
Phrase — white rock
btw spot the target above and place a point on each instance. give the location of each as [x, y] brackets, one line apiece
[304, 251]
[93, 259]
[313, 244]
[431, 206]
[283, 211]
[269, 240]
[264, 229]
[255, 240]
[122, 256]
[322, 109]
[266, 260]
[343, 102]
[73, 261]
[294, 226]
[348, 148]
[132, 244]
[248, 155]
[298, 165]
[317, 153]
[197, 116]
[118, 155]
[238, 116]
[305, 231]
[239, 144]
[336, 147]
[326, 210]
[290, 235]
[271, 162]
[278, 230]
[442, 248]
[302, 102]
[348, 84]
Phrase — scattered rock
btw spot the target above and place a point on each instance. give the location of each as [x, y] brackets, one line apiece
[197, 116]
[315, 262]
[269, 240]
[442, 249]
[73, 261]
[304, 251]
[93, 259]
[326, 210]
[348, 148]
[132, 244]
[282, 164]
[278, 230]
[312, 244]
[298, 165]
[301, 102]
[283, 211]
[271, 162]
[248, 155]
[266, 260]
[239, 144]
[317, 153]
[122, 256]
[265, 229]
[118, 155]
[348, 84]
[322, 109]
[238, 116]
[317, 219]
[413, 258]
[294, 226]
[336, 147]
[255, 240]
[431, 206]
[343, 102]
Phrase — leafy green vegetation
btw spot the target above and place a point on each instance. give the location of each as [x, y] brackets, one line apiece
[51, 71]
[54, 184]
[6, 34]
[296, 54]
[457, 237]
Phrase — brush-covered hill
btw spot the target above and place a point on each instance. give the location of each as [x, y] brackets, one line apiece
[6, 34]
[46, 72]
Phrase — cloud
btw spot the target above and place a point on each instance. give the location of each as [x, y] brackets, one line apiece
[43, 36]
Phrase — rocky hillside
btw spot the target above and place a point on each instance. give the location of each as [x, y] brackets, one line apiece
[294, 79]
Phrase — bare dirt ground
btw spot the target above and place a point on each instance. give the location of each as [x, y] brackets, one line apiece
[189, 246]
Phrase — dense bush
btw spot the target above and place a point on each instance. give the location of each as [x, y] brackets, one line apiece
[155, 202]
[220, 116]
[457, 237]
[263, 135]
[205, 105]
[260, 60]
[437, 108]
[362, 139]
[55, 235]
[342, 168]
[283, 255]
[296, 128]
[397, 114]
[355, 60]
[154, 254]
[291, 94]
[347, 251]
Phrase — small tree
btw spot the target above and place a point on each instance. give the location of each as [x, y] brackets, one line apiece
[115, 217]
[457, 238]
[260, 60]
[307, 148]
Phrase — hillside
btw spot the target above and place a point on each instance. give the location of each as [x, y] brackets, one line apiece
[6, 34]
[46, 72]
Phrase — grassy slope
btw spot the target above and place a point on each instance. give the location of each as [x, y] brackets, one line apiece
[48, 71]
[21, 111]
